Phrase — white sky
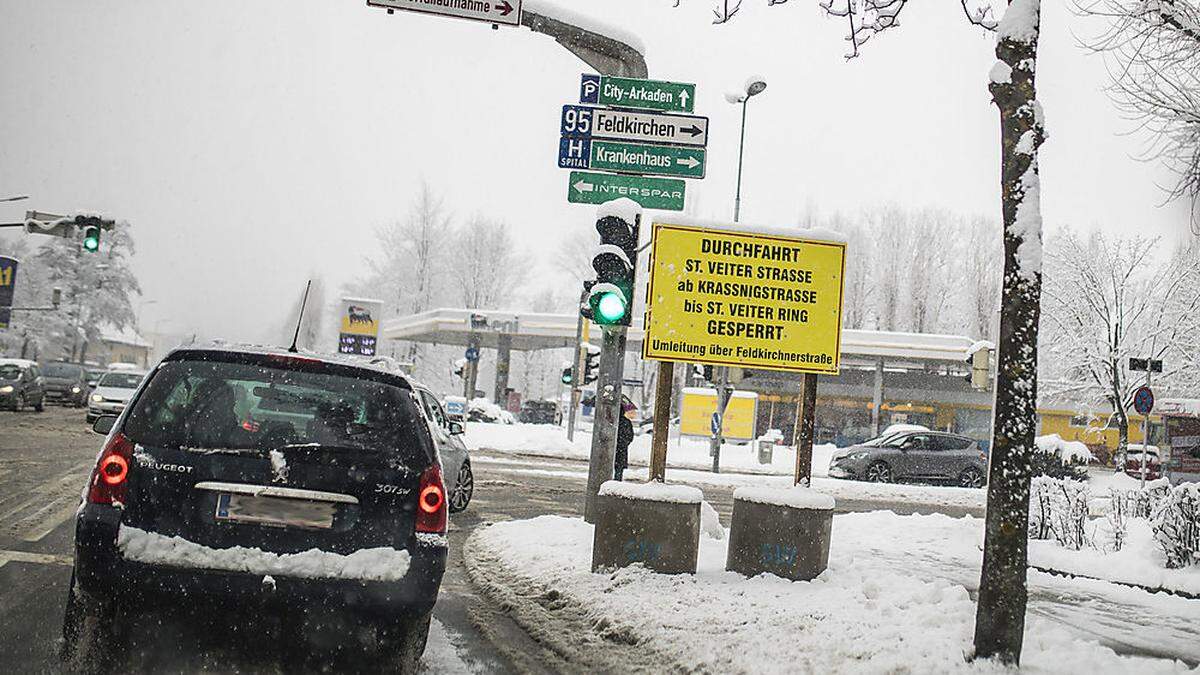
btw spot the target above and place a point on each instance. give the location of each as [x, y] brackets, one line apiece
[250, 143]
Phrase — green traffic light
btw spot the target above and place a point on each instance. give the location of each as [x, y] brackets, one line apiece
[91, 239]
[610, 309]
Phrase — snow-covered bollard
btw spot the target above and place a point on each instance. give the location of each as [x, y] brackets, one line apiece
[782, 531]
[653, 524]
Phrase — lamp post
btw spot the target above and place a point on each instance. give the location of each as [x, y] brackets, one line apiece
[754, 86]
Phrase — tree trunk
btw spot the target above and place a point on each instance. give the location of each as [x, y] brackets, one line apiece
[1000, 616]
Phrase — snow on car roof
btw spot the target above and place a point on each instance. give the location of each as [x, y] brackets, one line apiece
[17, 362]
[376, 364]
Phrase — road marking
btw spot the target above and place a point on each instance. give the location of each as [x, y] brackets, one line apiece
[36, 558]
[36, 531]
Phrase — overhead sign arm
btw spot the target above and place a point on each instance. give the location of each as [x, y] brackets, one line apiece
[609, 56]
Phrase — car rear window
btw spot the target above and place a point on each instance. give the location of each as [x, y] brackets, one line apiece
[222, 405]
[61, 370]
[9, 372]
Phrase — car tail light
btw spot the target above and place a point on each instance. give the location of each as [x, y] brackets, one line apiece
[110, 479]
[431, 501]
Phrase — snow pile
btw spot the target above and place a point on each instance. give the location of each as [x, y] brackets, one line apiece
[484, 410]
[1001, 73]
[710, 522]
[624, 208]
[373, 564]
[894, 599]
[1068, 452]
[556, 10]
[814, 233]
[901, 428]
[1140, 561]
[653, 491]
[1020, 21]
[797, 497]
[279, 467]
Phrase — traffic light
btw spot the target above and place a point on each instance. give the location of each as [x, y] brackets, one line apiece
[91, 238]
[566, 375]
[610, 296]
[591, 369]
[459, 366]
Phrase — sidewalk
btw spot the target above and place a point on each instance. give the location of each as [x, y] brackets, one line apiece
[898, 597]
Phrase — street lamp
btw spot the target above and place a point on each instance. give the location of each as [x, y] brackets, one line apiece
[754, 86]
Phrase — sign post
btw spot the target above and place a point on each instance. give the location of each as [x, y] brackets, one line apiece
[1143, 403]
[747, 299]
[359, 326]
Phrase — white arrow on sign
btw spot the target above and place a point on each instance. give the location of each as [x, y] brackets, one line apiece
[581, 186]
[689, 162]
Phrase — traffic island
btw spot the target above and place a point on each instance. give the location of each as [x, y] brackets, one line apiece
[651, 523]
[781, 531]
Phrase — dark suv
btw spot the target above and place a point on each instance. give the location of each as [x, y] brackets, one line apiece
[917, 456]
[66, 383]
[290, 483]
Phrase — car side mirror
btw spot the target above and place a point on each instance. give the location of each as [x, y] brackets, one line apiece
[456, 428]
[104, 424]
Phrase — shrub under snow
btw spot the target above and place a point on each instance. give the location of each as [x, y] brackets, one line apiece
[1060, 459]
[483, 410]
[1176, 524]
[1058, 510]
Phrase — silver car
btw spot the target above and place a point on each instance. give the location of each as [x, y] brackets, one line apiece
[112, 392]
[456, 459]
[914, 456]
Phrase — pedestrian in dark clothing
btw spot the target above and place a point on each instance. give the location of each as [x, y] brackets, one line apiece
[624, 438]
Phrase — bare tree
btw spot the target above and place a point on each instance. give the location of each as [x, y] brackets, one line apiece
[1000, 619]
[1152, 49]
[1106, 301]
[981, 258]
[932, 241]
[486, 268]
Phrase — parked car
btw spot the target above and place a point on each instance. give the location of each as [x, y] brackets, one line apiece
[918, 456]
[540, 412]
[242, 476]
[66, 383]
[21, 385]
[112, 392]
[1131, 463]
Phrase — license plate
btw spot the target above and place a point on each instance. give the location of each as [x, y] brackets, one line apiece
[275, 511]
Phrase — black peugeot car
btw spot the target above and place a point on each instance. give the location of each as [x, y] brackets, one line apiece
[290, 483]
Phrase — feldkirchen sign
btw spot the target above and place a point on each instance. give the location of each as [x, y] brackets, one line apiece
[626, 125]
[741, 298]
[505, 12]
[665, 194]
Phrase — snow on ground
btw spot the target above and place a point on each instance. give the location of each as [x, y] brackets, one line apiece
[546, 440]
[894, 599]
[441, 654]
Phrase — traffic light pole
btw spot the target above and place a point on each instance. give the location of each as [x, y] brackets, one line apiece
[608, 408]
[714, 447]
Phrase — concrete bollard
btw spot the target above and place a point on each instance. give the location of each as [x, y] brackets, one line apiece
[650, 523]
[781, 531]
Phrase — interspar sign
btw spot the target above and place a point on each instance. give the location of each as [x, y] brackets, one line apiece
[744, 298]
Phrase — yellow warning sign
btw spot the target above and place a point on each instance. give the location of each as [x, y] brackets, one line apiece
[698, 404]
[740, 298]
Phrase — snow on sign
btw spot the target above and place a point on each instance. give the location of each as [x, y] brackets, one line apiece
[652, 193]
[744, 298]
[638, 158]
[629, 92]
[504, 12]
[625, 125]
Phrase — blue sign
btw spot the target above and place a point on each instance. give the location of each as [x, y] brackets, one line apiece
[574, 153]
[589, 88]
[1143, 400]
[716, 423]
[456, 407]
[8, 287]
[472, 354]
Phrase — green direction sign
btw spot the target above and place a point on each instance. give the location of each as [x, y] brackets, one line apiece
[662, 160]
[665, 194]
[628, 92]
